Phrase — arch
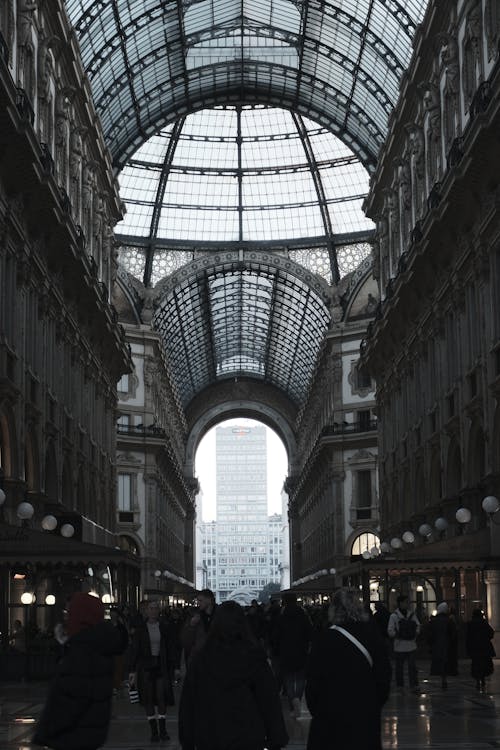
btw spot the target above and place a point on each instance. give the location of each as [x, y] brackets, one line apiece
[362, 541]
[51, 473]
[231, 409]
[130, 543]
[8, 442]
[453, 469]
[476, 455]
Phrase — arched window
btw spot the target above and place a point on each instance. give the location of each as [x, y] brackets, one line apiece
[364, 543]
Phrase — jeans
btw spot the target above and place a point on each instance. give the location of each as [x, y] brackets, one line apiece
[400, 657]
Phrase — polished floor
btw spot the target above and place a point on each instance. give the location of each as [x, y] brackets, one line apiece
[459, 718]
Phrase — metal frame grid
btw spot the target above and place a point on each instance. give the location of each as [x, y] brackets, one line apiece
[153, 61]
[227, 321]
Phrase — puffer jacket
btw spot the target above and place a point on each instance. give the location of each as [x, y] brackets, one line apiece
[77, 713]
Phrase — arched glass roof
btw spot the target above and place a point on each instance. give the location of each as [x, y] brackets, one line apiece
[241, 174]
[151, 62]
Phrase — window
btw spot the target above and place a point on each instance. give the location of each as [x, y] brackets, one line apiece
[123, 384]
[364, 420]
[363, 494]
[125, 493]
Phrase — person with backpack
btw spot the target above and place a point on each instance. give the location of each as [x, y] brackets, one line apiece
[404, 628]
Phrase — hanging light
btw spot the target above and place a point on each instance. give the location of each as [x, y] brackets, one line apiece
[366, 554]
[27, 597]
[463, 515]
[425, 529]
[441, 524]
[50, 600]
[396, 543]
[385, 547]
[49, 523]
[409, 537]
[333, 571]
[490, 504]
[157, 573]
[67, 530]
[25, 511]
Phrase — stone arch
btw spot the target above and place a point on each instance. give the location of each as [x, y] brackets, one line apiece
[8, 452]
[231, 409]
[51, 474]
[453, 469]
[476, 455]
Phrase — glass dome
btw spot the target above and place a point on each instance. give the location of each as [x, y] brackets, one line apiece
[241, 174]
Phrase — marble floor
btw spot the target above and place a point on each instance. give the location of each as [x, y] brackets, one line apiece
[459, 718]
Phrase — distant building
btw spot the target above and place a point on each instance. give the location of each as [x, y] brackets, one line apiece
[242, 550]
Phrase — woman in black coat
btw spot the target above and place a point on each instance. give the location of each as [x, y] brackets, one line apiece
[347, 683]
[480, 648]
[229, 699]
[152, 664]
[78, 709]
[443, 643]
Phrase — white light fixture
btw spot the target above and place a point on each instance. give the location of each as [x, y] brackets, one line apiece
[157, 573]
[366, 555]
[409, 537]
[425, 529]
[106, 599]
[333, 571]
[375, 551]
[94, 593]
[420, 589]
[50, 600]
[27, 597]
[25, 511]
[385, 547]
[463, 515]
[490, 504]
[67, 530]
[441, 524]
[49, 523]
[396, 543]
[2, 497]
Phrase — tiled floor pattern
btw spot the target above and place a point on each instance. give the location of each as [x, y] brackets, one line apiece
[458, 719]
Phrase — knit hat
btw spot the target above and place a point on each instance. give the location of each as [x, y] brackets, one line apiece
[83, 612]
[442, 608]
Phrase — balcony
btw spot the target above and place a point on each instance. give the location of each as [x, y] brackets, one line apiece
[139, 430]
[343, 428]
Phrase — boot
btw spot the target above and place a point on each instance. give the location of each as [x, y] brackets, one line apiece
[155, 737]
[162, 725]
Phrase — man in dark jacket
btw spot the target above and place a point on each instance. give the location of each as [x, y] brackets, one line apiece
[78, 709]
[291, 641]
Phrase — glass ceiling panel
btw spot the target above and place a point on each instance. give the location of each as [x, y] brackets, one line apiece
[250, 316]
[153, 51]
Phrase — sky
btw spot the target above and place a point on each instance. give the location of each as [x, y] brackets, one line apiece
[205, 468]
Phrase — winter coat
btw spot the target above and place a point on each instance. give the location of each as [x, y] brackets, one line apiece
[77, 713]
[141, 660]
[443, 642]
[291, 639]
[480, 648]
[344, 693]
[230, 701]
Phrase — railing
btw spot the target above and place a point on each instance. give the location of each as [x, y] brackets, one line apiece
[341, 428]
[142, 430]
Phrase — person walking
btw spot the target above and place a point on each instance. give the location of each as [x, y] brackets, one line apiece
[404, 628]
[229, 699]
[348, 679]
[196, 629]
[442, 640]
[479, 648]
[77, 713]
[291, 643]
[152, 663]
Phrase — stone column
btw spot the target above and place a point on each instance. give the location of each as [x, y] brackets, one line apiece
[492, 580]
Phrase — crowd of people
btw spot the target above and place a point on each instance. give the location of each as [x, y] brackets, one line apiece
[242, 668]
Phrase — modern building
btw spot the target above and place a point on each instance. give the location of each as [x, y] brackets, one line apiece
[242, 549]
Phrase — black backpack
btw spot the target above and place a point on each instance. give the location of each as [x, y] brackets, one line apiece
[407, 628]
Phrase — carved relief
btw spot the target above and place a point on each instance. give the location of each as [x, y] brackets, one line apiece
[449, 59]
[492, 28]
[432, 123]
[26, 67]
[75, 171]
[416, 148]
[62, 136]
[471, 65]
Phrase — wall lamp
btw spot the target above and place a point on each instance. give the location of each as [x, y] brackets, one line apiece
[491, 505]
